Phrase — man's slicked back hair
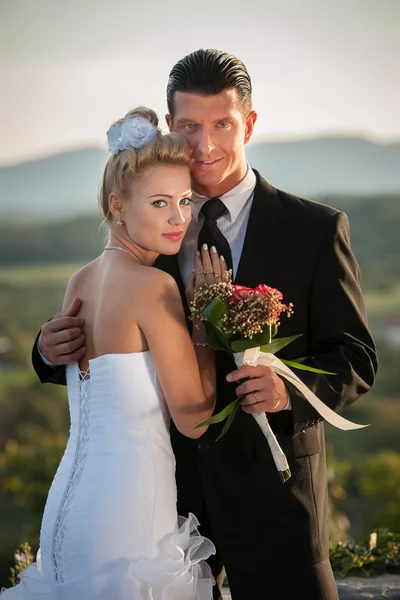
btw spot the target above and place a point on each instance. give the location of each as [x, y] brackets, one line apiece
[209, 72]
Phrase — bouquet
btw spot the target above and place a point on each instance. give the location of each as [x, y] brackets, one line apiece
[244, 322]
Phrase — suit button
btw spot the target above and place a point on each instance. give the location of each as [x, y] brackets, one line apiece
[202, 446]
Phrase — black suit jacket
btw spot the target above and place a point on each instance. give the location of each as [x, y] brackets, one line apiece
[303, 249]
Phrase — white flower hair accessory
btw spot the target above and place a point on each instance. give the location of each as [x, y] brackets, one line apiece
[135, 132]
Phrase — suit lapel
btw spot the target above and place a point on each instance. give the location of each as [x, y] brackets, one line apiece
[259, 260]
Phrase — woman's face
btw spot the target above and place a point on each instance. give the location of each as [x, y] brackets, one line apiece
[158, 212]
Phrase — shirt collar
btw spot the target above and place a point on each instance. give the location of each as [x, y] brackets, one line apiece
[234, 199]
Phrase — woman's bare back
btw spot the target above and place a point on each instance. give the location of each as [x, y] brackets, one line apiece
[112, 292]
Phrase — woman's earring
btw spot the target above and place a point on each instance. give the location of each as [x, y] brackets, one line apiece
[119, 222]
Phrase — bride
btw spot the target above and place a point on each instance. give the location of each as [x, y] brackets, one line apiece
[110, 529]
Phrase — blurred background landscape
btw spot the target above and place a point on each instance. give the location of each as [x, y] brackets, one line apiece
[329, 129]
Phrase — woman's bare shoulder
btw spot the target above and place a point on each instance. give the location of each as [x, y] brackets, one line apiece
[151, 286]
[158, 279]
[79, 280]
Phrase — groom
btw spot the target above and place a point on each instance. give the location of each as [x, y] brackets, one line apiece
[271, 538]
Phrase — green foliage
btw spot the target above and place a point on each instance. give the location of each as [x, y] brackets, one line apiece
[364, 468]
[367, 490]
[299, 364]
[376, 219]
[378, 479]
[375, 239]
[230, 418]
[28, 469]
[23, 558]
[65, 241]
[374, 556]
[388, 380]
[221, 416]
[382, 411]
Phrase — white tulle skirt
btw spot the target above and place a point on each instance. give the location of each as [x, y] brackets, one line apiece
[178, 573]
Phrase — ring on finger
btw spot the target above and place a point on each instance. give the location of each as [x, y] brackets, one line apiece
[256, 397]
[208, 272]
[217, 275]
[201, 272]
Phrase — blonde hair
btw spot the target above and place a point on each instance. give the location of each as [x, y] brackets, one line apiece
[127, 165]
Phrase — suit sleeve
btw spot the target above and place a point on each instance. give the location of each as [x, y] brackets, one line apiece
[45, 373]
[338, 336]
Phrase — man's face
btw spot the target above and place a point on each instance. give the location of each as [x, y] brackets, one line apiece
[216, 130]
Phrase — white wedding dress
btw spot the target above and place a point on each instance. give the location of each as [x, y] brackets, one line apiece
[110, 529]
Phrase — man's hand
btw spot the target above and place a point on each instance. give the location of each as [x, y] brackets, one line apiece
[61, 340]
[265, 391]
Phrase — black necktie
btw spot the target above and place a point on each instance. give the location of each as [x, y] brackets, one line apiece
[210, 233]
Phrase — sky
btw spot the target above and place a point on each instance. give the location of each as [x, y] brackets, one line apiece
[318, 67]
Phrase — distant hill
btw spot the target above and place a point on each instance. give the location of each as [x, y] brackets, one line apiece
[66, 184]
[326, 166]
[61, 185]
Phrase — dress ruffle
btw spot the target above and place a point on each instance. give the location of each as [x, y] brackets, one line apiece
[178, 573]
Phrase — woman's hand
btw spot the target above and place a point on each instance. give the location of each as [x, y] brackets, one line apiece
[209, 268]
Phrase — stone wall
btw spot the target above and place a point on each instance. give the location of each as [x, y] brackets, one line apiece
[386, 587]
[375, 588]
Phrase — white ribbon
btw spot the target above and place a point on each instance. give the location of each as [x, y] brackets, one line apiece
[250, 357]
[255, 357]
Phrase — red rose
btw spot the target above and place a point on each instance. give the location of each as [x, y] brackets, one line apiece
[240, 292]
[264, 291]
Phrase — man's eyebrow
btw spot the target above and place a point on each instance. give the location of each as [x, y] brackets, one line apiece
[216, 120]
